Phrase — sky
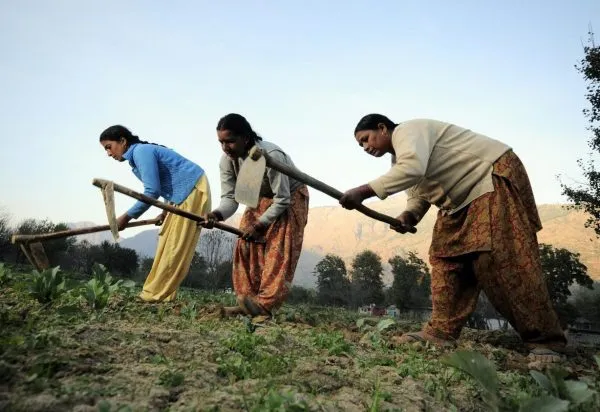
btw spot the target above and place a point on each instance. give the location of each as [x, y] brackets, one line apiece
[302, 72]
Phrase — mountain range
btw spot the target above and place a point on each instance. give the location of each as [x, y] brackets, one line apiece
[332, 229]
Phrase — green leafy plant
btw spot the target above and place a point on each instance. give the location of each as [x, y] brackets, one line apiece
[482, 371]
[5, 274]
[560, 394]
[48, 285]
[373, 330]
[101, 287]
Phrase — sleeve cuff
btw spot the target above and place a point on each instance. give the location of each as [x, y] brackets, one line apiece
[379, 189]
[265, 221]
[417, 207]
[134, 213]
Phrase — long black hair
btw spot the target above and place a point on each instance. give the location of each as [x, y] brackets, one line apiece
[239, 126]
[372, 121]
[116, 132]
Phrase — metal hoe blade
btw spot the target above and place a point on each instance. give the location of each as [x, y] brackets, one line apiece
[108, 193]
[249, 181]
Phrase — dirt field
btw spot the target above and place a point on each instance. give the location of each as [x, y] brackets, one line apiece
[181, 356]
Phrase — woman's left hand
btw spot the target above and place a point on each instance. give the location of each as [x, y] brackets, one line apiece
[123, 220]
[254, 232]
[354, 197]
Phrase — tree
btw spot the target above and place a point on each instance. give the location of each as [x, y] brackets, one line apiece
[216, 248]
[412, 282]
[197, 275]
[55, 248]
[587, 302]
[223, 275]
[144, 268]
[587, 196]
[367, 281]
[561, 269]
[299, 294]
[201, 277]
[81, 257]
[5, 234]
[333, 285]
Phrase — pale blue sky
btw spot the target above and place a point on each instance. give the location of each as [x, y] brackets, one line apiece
[302, 72]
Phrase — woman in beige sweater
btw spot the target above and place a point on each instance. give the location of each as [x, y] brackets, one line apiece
[485, 235]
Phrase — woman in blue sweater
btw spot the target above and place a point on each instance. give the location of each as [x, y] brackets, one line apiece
[179, 181]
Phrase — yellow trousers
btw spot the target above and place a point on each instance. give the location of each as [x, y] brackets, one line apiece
[177, 242]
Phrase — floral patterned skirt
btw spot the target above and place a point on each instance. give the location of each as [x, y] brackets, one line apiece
[265, 271]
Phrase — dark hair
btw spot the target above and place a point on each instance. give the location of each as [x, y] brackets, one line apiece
[238, 125]
[116, 132]
[372, 121]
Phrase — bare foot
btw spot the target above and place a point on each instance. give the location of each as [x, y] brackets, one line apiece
[541, 358]
[251, 307]
[231, 311]
[421, 337]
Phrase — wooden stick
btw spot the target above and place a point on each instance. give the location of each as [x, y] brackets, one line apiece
[29, 256]
[73, 232]
[325, 188]
[165, 206]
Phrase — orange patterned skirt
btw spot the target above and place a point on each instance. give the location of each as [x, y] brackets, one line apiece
[491, 245]
[265, 271]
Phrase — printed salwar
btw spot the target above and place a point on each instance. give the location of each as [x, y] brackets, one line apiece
[491, 245]
[264, 272]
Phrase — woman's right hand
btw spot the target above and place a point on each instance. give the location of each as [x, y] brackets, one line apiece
[160, 219]
[408, 219]
[210, 219]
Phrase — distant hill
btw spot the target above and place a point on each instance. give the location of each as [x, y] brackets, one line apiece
[345, 233]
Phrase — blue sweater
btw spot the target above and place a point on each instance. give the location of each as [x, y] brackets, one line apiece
[163, 172]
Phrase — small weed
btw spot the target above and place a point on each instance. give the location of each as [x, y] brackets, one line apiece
[46, 366]
[106, 406]
[376, 399]
[275, 401]
[334, 342]
[159, 359]
[439, 386]
[378, 360]
[7, 372]
[189, 311]
[171, 378]
[415, 365]
[42, 340]
[160, 314]
[6, 275]
[244, 355]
